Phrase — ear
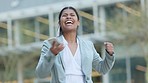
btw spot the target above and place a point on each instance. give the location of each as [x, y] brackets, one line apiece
[78, 23]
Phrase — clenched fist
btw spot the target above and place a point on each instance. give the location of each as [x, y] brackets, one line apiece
[109, 48]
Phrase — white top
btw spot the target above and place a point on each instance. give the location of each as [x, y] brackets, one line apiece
[72, 64]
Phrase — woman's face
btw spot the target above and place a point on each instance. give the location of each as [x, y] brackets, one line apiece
[69, 20]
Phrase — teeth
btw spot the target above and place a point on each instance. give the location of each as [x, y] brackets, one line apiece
[69, 22]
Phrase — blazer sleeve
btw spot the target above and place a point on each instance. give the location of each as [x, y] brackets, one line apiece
[46, 61]
[102, 65]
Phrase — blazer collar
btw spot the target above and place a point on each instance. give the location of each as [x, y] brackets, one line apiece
[82, 51]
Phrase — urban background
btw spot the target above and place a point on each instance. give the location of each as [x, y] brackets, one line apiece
[25, 24]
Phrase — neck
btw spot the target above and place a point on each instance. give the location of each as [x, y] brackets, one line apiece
[70, 37]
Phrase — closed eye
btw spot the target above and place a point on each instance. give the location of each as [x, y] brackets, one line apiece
[64, 15]
[72, 14]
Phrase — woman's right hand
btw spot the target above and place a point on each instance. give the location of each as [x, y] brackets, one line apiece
[56, 47]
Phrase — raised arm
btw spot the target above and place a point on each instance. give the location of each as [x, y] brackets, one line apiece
[103, 65]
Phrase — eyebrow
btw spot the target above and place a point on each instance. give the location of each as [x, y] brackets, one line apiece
[70, 13]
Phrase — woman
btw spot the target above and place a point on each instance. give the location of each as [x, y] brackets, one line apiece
[72, 60]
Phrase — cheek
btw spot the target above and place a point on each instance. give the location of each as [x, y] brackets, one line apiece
[78, 23]
[61, 23]
[62, 20]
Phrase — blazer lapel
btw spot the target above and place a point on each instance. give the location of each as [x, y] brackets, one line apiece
[82, 51]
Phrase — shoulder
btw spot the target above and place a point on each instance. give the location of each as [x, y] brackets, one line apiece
[84, 41]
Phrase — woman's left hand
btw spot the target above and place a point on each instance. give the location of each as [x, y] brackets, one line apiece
[109, 48]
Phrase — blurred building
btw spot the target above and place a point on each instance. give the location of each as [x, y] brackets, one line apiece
[24, 24]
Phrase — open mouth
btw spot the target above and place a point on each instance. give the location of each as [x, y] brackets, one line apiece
[69, 22]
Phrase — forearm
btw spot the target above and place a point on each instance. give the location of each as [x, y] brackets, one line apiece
[107, 63]
[103, 65]
[45, 64]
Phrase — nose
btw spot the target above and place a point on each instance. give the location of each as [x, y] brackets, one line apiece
[68, 17]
